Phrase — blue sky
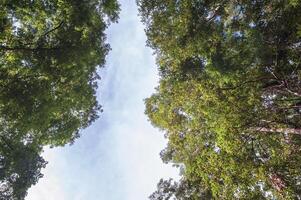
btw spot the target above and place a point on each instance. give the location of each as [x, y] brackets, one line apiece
[117, 158]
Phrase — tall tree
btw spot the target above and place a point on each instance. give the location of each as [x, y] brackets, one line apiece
[184, 190]
[49, 54]
[50, 51]
[229, 94]
[20, 167]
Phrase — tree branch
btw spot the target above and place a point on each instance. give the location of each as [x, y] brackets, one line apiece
[55, 28]
[24, 48]
[296, 131]
[21, 48]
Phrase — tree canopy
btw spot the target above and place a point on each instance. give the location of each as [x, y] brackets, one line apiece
[49, 54]
[229, 97]
[20, 168]
[185, 189]
[50, 51]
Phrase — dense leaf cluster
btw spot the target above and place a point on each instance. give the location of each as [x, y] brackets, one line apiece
[229, 97]
[49, 54]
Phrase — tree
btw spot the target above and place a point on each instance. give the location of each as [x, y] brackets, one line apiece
[50, 51]
[229, 94]
[168, 189]
[20, 168]
[49, 55]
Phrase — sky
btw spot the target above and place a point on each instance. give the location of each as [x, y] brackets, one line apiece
[117, 158]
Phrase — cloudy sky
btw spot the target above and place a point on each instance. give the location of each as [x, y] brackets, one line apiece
[117, 158]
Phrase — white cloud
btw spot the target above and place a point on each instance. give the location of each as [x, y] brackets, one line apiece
[50, 182]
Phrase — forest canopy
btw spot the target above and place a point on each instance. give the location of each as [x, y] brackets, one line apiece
[49, 55]
[229, 98]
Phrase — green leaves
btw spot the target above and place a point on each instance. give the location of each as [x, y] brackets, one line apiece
[228, 97]
[49, 55]
[20, 167]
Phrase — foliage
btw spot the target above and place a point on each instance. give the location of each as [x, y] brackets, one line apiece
[50, 51]
[229, 97]
[20, 168]
[167, 189]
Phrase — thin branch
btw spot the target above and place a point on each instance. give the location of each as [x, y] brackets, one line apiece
[24, 48]
[244, 83]
[55, 28]
[296, 131]
[46, 33]
[21, 48]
